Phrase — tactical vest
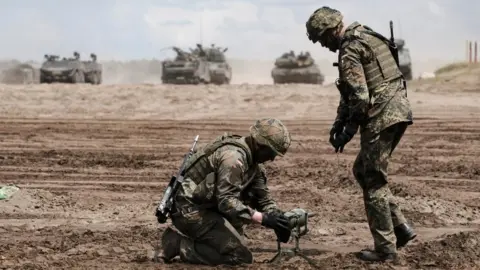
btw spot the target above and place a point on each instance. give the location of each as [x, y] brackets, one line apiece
[198, 167]
[384, 67]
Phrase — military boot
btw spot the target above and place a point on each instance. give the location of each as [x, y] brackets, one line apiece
[404, 234]
[170, 244]
[374, 256]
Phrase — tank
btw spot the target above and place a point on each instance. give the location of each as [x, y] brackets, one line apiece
[404, 59]
[66, 70]
[185, 68]
[19, 74]
[93, 70]
[219, 69]
[302, 68]
[200, 65]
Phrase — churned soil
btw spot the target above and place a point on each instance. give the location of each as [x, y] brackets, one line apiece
[92, 163]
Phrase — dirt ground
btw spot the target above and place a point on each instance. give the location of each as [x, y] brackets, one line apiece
[92, 163]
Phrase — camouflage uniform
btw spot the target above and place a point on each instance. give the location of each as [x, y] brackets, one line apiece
[222, 187]
[374, 99]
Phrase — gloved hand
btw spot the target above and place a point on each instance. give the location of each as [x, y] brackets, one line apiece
[339, 140]
[279, 223]
[337, 128]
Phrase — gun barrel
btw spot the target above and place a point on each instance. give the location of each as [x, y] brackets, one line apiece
[194, 143]
[392, 38]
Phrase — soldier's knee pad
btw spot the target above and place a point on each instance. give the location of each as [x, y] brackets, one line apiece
[247, 258]
[241, 255]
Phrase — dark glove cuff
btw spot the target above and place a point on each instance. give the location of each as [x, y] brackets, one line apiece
[351, 129]
[267, 219]
[277, 212]
[337, 127]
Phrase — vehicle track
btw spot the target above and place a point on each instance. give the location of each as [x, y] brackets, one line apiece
[89, 189]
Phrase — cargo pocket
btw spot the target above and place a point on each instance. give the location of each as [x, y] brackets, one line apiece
[205, 191]
[198, 223]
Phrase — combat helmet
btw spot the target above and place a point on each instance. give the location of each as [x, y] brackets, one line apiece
[273, 133]
[321, 20]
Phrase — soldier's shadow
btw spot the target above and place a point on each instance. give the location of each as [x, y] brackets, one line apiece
[288, 253]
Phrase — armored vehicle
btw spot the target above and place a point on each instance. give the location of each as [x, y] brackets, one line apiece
[220, 70]
[296, 69]
[185, 68]
[68, 70]
[200, 65]
[93, 70]
[19, 74]
[404, 59]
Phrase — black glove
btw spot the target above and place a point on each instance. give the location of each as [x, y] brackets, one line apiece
[341, 139]
[337, 128]
[279, 223]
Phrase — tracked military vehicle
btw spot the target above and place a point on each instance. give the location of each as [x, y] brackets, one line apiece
[93, 70]
[404, 59]
[200, 65]
[67, 70]
[185, 68]
[296, 69]
[220, 70]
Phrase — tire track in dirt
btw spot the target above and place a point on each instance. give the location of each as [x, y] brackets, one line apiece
[89, 188]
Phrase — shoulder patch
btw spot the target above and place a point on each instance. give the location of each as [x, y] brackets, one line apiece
[239, 163]
[233, 159]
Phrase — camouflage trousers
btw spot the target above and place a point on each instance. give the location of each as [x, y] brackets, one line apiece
[370, 170]
[211, 239]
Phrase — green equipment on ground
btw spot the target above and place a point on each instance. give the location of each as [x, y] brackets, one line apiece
[6, 192]
[299, 224]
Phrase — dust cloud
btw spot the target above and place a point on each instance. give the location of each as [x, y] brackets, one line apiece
[243, 71]
[149, 71]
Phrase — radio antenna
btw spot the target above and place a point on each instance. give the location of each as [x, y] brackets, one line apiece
[201, 26]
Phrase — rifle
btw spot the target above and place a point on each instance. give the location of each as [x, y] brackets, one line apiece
[394, 49]
[393, 45]
[165, 207]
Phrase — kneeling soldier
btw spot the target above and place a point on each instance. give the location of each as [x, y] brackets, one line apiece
[225, 187]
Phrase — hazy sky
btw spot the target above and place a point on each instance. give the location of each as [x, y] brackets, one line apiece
[128, 29]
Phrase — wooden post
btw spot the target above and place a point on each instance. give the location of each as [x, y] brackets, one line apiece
[475, 53]
[469, 52]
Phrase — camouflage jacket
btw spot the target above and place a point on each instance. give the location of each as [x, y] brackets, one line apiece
[373, 94]
[232, 184]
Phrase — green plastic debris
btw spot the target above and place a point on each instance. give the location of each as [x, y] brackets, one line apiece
[7, 191]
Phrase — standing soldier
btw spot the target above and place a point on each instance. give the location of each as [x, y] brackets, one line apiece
[225, 187]
[373, 98]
